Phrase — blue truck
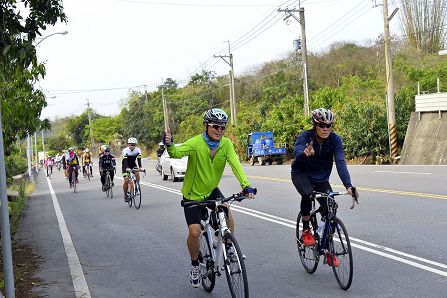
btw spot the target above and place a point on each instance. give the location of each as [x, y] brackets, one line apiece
[261, 148]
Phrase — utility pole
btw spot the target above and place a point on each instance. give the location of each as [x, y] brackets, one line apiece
[89, 121]
[301, 20]
[37, 153]
[392, 128]
[43, 144]
[29, 154]
[233, 111]
[5, 227]
[165, 106]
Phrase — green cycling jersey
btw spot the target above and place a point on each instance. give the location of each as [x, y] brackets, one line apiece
[203, 173]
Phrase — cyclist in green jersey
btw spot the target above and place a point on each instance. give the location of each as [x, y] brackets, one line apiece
[208, 153]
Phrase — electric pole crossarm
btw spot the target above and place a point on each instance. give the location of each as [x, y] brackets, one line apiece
[223, 58]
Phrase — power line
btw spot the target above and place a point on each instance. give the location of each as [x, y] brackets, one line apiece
[195, 4]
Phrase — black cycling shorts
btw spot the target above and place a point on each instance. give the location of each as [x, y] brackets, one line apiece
[305, 187]
[193, 214]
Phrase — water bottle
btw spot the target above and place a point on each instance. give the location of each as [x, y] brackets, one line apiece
[320, 229]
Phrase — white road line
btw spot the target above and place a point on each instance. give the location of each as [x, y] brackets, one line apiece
[397, 172]
[77, 275]
[375, 250]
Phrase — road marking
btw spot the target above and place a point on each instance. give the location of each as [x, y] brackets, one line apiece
[396, 172]
[77, 275]
[355, 242]
[399, 192]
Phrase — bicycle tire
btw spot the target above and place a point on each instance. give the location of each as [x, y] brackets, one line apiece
[73, 180]
[309, 255]
[235, 267]
[207, 263]
[342, 250]
[110, 187]
[137, 195]
[130, 202]
[107, 185]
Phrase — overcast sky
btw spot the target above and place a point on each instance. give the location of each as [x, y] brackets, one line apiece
[114, 46]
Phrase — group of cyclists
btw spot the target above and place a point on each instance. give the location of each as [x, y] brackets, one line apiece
[315, 151]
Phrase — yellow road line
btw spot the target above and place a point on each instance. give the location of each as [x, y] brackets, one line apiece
[390, 191]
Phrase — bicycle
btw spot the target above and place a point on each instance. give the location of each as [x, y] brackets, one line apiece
[87, 170]
[225, 252]
[73, 177]
[331, 231]
[108, 184]
[135, 189]
[58, 165]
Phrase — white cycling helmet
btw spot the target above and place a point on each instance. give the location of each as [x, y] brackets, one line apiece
[87, 151]
[322, 116]
[215, 116]
[132, 140]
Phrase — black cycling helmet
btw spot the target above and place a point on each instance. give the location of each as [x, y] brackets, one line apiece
[215, 116]
[322, 116]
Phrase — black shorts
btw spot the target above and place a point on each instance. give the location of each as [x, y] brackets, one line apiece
[193, 214]
[305, 187]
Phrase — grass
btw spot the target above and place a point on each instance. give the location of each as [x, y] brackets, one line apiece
[25, 262]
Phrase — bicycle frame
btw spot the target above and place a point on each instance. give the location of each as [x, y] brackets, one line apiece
[223, 228]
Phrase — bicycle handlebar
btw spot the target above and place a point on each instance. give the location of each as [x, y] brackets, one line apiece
[337, 193]
[234, 197]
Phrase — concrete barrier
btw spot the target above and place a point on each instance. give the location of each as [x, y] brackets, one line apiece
[426, 139]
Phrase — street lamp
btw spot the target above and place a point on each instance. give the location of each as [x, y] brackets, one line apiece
[29, 149]
[56, 33]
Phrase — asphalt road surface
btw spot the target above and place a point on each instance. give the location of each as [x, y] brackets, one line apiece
[99, 247]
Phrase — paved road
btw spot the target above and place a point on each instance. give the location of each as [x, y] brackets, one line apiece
[398, 234]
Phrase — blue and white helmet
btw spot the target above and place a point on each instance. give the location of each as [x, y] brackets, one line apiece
[215, 116]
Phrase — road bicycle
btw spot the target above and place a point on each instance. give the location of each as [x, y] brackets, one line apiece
[219, 250]
[331, 240]
[135, 189]
[88, 173]
[108, 184]
[73, 183]
[49, 170]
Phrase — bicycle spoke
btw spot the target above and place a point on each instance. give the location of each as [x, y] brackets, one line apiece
[235, 267]
[309, 255]
[340, 246]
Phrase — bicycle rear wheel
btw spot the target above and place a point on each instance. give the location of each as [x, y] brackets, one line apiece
[235, 267]
[309, 255]
[137, 195]
[206, 264]
[340, 246]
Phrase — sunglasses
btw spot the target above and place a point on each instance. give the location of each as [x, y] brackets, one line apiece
[217, 127]
[131, 144]
[324, 125]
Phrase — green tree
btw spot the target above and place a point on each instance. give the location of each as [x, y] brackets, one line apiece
[21, 104]
[104, 129]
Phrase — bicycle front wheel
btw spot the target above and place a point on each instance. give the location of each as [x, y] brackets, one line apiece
[340, 247]
[235, 267]
[73, 180]
[206, 264]
[107, 185]
[137, 195]
[110, 188]
[309, 255]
